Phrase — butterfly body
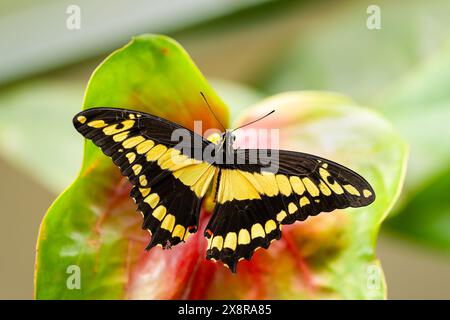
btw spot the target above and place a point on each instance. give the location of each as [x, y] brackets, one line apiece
[255, 190]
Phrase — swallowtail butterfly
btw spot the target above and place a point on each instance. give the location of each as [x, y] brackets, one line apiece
[170, 181]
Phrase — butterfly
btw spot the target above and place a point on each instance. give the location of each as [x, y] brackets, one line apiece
[170, 179]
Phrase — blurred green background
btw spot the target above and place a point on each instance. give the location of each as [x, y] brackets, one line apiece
[248, 50]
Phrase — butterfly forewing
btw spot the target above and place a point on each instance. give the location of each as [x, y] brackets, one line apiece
[168, 185]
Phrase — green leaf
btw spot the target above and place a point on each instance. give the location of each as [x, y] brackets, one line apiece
[93, 224]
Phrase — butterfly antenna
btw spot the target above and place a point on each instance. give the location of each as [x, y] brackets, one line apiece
[210, 109]
[254, 120]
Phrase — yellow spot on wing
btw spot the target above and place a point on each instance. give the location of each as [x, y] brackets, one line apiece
[81, 119]
[143, 180]
[270, 226]
[311, 187]
[283, 184]
[333, 186]
[168, 222]
[209, 243]
[217, 242]
[292, 208]
[257, 231]
[132, 142]
[97, 124]
[144, 191]
[144, 146]
[324, 188]
[121, 136]
[124, 125]
[297, 185]
[136, 168]
[281, 215]
[367, 193]
[351, 189]
[304, 201]
[131, 156]
[244, 236]
[178, 231]
[152, 200]
[159, 212]
[156, 152]
[231, 241]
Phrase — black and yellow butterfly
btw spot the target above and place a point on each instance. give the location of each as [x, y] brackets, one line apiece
[252, 200]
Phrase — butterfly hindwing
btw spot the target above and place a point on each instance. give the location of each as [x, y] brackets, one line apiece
[168, 185]
[253, 200]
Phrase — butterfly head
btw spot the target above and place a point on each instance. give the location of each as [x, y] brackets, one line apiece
[228, 139]
[228, 136]
[224, 137]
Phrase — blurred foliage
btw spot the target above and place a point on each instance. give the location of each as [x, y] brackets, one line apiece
[93, 224]
[36, 134]
[47, 42]
[420, 108]
[425, 218]
[419, 105]
[334, 49]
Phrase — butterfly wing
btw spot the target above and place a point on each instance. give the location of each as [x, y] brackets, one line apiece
[256, 197]
[168, 181]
